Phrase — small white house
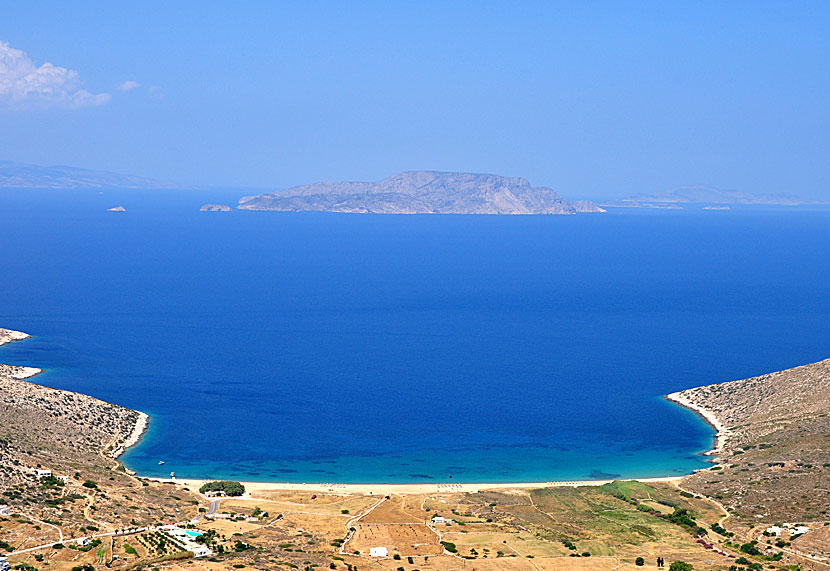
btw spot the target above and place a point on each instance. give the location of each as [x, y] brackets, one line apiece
[63, 479]
[378, 552]
[774, 530]
[5, 510]
[441, 520]
[4, 564]
[200, 551]
[799, 529]
[42, 473]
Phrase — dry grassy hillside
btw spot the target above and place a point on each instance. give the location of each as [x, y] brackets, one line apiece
[776, 457]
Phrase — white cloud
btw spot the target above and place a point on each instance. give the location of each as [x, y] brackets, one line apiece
[129, 85]
[22, 83]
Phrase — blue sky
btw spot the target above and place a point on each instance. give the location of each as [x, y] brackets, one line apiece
[592, 99]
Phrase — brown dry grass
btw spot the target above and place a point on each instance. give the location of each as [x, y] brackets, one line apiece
[405, 539]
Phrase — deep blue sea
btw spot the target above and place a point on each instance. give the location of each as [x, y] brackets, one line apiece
[358, 348]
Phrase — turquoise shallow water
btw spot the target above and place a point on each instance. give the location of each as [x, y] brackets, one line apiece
[344, 348]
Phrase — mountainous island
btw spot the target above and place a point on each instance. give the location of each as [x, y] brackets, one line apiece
[422, 192]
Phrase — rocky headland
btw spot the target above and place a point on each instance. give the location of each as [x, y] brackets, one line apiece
[773, 446]
[422, 192]
[65, 426]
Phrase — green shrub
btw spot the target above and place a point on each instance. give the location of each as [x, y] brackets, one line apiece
[230, 487]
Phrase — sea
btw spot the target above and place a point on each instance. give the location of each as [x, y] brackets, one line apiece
[344, 348]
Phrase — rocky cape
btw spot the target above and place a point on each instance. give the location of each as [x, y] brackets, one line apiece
[72, 424]
[422, 192]
[773, 440]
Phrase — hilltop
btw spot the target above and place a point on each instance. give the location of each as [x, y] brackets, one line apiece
[422, 192]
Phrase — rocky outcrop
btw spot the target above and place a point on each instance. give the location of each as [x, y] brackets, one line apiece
[422, 192]
[7, 336]
[215, 208]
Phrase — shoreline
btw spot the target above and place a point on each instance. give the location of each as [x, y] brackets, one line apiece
[707, 415]
[10, 336]
[139, 429]
[252, 488]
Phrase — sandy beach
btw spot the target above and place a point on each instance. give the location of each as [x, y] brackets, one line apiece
[254, 489]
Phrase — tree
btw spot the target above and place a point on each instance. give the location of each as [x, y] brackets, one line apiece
[680, 566]
[230, 488]
[639, 562]
[750, 549]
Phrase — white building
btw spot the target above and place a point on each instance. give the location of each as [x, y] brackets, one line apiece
[186, 537]
[440, 520]
[5, 510]
[4, 564]
[200, 550]
[776, 530]
[42, 473]
[63, 479]
[378, 552]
